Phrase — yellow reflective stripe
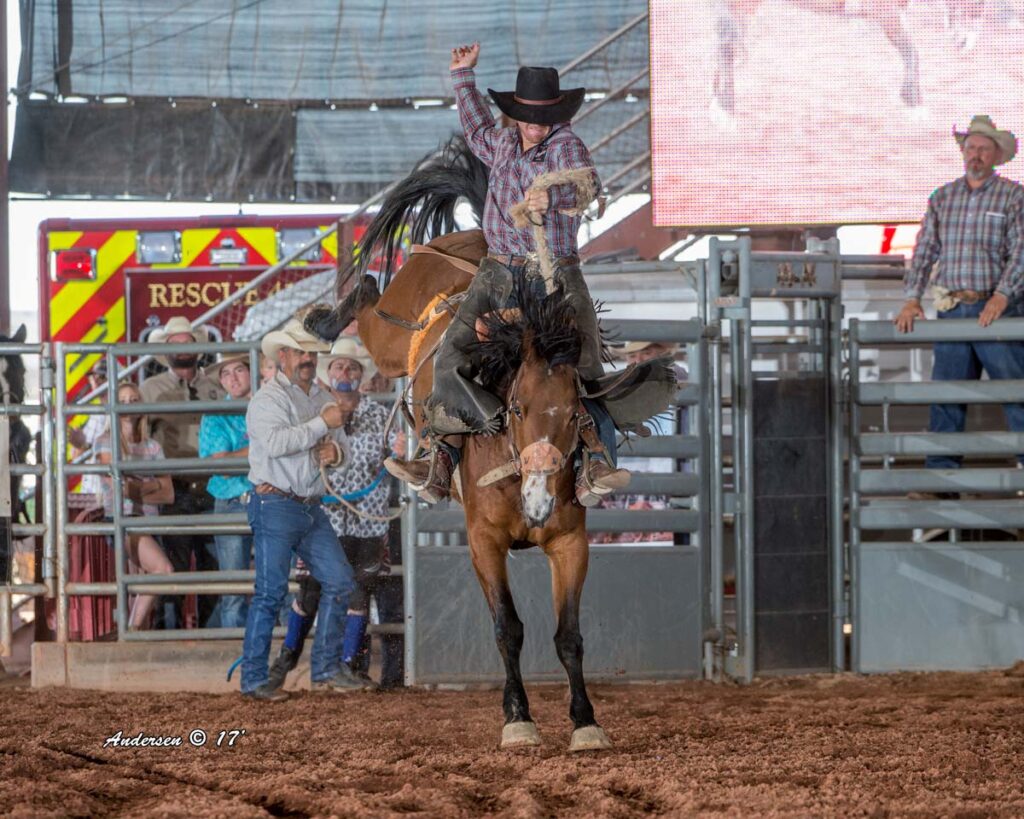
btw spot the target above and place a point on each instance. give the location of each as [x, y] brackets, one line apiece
[330, 244]
[62, 239]
[263, 241]
[74, 296]
[77, 366]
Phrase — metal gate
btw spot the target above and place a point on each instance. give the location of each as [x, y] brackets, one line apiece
[921, 602]
[643, 612]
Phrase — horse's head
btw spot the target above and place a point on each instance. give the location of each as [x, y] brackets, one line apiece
[12, 371]
[530, 356]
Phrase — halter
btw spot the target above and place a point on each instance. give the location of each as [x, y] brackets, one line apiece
[540, 457]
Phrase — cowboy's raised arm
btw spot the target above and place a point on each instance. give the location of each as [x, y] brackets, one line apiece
[474, 115]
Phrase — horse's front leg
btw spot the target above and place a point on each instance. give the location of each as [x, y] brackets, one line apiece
[728, 37]
[892, 22]
[489, 551]
[568, 555]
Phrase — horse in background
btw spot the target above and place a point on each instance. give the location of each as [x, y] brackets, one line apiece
[732, 19]
[12, 388]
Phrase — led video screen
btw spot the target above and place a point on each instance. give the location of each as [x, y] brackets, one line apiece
[792, 112]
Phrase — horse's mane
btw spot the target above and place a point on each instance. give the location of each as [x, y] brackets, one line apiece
[425, 203]
[547, 323]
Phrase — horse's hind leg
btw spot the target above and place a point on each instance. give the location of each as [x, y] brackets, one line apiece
[491, 570]
[568, 557]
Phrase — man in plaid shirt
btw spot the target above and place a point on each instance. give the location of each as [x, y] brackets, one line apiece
[539, 141]
[974, 229]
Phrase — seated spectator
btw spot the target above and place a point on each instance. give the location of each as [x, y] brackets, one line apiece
[142, 495]
[178, 434]
[224, 436]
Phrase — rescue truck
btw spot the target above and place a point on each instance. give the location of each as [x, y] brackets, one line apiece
[116, 280]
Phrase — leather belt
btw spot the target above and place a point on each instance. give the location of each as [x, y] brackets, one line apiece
[511, 260]
[270, 489]
[970, 296]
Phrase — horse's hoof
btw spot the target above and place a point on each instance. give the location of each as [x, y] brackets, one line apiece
[519, 735]
[589, 738]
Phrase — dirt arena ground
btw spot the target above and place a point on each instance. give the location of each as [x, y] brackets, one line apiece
[901, 745]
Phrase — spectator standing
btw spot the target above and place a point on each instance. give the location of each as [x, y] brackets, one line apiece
[224, 436]
[178, 434]
[294, 428]
[974, 229]
[84, 438]
[357, 506]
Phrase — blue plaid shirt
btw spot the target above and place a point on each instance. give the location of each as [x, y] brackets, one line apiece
[513, 170]
[976, 236]
[224, 433]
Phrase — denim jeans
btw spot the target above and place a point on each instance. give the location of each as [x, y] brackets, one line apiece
[965, 361]
[281, 526]
[234, 552]
[605, 427]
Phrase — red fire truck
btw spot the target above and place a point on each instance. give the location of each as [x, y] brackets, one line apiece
[115, 280]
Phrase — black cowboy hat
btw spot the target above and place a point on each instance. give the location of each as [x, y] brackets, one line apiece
[537, 98]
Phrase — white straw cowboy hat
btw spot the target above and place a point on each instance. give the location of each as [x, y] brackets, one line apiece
[638, 346]
[235, 358]
[176, 325]
[984, 126]
[293, 335]
[346, 347]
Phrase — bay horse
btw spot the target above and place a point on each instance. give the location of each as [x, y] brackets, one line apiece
[517, 487]
[732, 17]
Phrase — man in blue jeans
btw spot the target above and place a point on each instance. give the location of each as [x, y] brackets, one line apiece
[294, 427]
[974, 229]
[224, 436]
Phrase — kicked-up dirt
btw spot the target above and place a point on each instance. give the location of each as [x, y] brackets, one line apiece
[901, 745]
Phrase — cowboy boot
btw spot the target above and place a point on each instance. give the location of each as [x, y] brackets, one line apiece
[430, 476]
[327, 324]
[457, 404]
[596, 477]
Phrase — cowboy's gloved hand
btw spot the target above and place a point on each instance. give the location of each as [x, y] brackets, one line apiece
[465, 56]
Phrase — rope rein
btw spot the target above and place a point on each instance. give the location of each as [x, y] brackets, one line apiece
[582, 179]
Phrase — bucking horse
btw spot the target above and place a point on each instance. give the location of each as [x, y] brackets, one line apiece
[517, 486]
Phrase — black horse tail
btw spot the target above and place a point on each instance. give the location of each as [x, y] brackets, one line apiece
[424, 202]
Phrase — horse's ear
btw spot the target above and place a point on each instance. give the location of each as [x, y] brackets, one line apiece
[20, 336]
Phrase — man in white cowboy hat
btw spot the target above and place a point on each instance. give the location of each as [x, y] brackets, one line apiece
[540, 141]
[178, 434]
[223, 435]
[362, 533]
[974, 229]
[294, 428]
[182, 381]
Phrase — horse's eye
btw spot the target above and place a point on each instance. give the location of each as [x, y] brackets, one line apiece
[517, 411]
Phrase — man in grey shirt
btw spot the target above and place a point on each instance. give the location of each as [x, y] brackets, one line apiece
[293, 428]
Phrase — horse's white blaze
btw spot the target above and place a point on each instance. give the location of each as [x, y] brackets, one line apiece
[552, 411]
[537, 501]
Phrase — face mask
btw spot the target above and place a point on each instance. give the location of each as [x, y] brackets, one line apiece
[346, 386]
